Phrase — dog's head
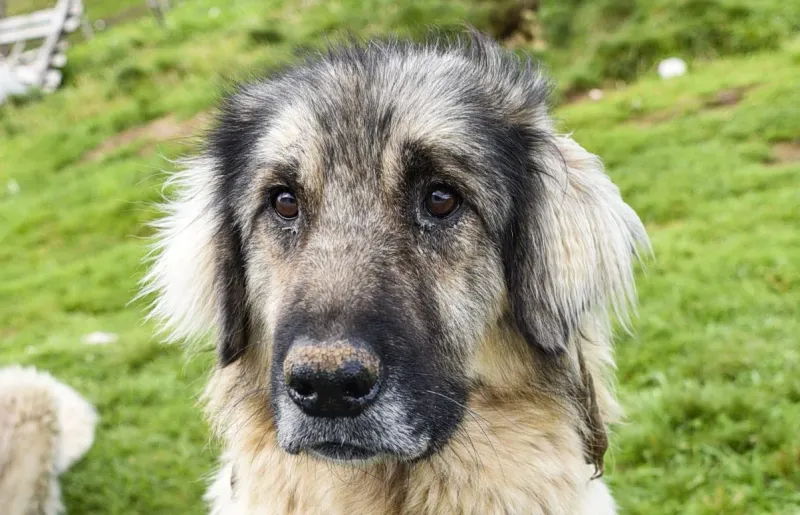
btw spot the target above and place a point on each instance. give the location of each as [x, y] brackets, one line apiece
[361, 225]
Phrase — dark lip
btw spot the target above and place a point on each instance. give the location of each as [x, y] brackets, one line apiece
[343, 451]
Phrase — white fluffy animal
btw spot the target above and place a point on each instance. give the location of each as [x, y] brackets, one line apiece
[45, 427]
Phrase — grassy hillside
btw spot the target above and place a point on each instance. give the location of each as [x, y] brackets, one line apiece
[711, 161]
[602, 41]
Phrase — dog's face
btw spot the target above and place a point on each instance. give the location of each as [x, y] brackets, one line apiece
[372, 212]
[373, 215]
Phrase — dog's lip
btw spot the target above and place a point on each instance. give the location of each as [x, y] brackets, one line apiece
[343, 451]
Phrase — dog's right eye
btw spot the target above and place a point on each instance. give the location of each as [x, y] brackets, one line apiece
[284, 202]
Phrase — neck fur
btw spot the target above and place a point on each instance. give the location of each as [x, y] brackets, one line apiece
[512, 454]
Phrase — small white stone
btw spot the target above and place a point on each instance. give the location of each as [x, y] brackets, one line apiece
[100, 25]
[12, 187]
[100, 338]
[596, 94]
[672, 67]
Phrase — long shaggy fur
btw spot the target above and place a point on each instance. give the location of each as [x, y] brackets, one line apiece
[45, 427]
[519, 295]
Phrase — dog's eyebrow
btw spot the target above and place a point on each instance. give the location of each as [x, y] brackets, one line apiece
[285, 172]
[425, 162]
[418, 161]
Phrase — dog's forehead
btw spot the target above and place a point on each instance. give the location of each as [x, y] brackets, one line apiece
[342, 124]
[363, 121]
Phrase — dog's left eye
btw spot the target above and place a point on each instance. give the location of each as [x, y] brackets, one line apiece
[284, 202]
[441, 201]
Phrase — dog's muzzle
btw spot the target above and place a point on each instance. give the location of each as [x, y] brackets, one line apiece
[346, 399]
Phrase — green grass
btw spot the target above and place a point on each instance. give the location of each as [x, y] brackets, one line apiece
[95, 9]
[710, 380]
[603, 41]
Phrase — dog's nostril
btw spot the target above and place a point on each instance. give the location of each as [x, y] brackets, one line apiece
[303, 388]
[353, 389]
[358, 388]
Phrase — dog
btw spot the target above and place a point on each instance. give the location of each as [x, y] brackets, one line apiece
[410, 278]
[45, 428]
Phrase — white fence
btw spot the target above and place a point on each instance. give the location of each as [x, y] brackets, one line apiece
[38, 67]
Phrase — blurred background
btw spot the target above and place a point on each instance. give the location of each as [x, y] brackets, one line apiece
[694, 105]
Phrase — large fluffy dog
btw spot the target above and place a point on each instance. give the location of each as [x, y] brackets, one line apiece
[410, 278]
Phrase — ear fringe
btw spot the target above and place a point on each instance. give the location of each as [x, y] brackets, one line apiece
[182, 259]
[594, 240]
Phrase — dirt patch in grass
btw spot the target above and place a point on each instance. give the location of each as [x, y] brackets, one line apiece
[167, 128]
[654, 227]
[726, 97]
[656, 117]
[786, 152]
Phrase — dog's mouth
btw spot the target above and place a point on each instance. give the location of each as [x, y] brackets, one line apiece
[386, 431]
[343, 451]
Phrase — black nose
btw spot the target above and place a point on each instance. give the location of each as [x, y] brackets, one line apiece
[334, 380]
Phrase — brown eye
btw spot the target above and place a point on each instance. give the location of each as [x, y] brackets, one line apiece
[285, 204]
[441, 201]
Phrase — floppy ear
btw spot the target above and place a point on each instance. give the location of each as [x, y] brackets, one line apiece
[233, 317]
[197, 265]
[571, 268]
[572, 249]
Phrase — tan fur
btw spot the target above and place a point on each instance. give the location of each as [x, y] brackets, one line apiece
[534, 433]
[514, 454]
[328, 358]
[29, 433]
[45, 427]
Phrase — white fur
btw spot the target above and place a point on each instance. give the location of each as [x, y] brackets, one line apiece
[183, 257]
[593, 236]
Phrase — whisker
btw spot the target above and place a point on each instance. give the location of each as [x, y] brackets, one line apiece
[476, 416]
